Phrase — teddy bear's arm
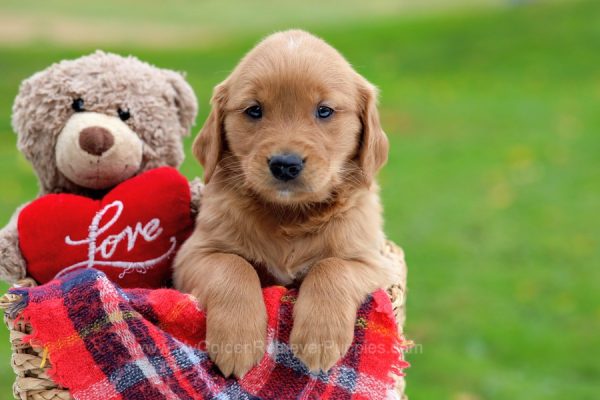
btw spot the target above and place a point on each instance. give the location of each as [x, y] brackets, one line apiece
[12, 263]
[196, 187]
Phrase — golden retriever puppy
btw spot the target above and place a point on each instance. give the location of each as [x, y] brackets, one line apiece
[289, 150]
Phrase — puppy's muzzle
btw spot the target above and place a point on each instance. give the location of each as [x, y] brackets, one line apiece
[96, 140]
[286, 167]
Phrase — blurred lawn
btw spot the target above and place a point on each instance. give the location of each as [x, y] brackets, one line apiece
[492, 185]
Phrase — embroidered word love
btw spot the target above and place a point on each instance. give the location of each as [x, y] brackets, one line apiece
[100, 254]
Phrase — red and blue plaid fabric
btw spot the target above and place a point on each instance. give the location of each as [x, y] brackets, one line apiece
[108, 343]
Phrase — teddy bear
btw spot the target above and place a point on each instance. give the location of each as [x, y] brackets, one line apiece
[104, 136]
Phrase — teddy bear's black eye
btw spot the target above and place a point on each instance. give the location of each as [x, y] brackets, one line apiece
[124, 114]
[78, 105]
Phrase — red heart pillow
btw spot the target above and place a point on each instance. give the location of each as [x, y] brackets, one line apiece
[132, 234]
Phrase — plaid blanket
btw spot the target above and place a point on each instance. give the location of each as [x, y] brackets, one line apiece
[107, 343]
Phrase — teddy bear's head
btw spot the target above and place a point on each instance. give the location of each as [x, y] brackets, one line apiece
[90, 123]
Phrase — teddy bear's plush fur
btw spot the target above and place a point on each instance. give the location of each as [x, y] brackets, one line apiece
[88, 124]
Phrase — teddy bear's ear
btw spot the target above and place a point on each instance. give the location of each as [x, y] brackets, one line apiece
[185, 100]
[25, 96]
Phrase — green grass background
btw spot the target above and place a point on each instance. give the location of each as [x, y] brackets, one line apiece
[493, 112]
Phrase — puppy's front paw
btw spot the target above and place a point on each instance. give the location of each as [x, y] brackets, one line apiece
[236, 335]
[322, 333]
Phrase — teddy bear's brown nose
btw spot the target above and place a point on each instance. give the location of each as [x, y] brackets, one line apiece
[96, 140]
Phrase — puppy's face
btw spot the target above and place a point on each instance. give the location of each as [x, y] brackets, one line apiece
[293, 126]
[293, 123]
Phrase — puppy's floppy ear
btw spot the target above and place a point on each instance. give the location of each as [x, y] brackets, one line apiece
[373, 151]
[208, 145]
[185, 100]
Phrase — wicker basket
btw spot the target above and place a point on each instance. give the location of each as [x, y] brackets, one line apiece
[31, 365]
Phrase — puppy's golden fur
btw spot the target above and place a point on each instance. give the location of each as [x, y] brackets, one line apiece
[322, 230]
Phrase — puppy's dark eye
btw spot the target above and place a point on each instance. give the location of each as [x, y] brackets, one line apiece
[77, 105]
[254, 112]
[124, 114]
[324, 112]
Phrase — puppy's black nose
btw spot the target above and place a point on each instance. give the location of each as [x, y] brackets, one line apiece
[286, 167]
